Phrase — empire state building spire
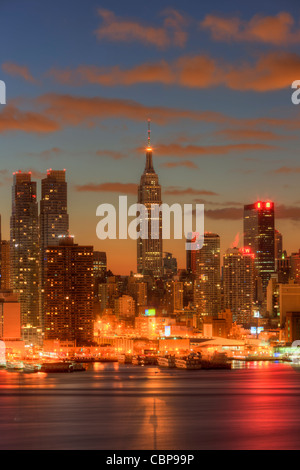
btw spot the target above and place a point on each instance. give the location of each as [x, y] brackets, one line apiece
[149, 163]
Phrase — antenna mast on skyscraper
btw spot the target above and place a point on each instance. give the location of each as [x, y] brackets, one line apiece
[149, 133]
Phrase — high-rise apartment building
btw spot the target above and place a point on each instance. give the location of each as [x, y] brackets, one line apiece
[100, 268]
[54, 219]
[207, 287]
[100, 264]
[239, 284]
[24, 253]
[150, 249]
[137, 288]
[259, 235]
[69, 292]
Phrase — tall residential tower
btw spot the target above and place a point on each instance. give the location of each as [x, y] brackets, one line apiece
[207, 287]
[24, 248]
[54, 220]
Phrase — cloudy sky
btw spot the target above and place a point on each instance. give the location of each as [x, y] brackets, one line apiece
[214, 77]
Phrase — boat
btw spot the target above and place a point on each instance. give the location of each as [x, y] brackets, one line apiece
[31, 368]
[137, 360]
[190, 362]
[166, 361]
[144, 360]
[14, 366]
[217, 361]
[57, 367]
[148, 360]
[125, 359]
[77, 367]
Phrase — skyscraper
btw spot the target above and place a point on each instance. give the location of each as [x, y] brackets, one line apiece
[278, 245]
[24, 244]
[238, 284]
[5, 265]
[259, 235]
[207, 287]
[191, 255]
[150, 250]
[54, 219]
[69, 292]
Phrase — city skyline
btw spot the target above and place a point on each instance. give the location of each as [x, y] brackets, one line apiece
[149, 227]
[222, 141]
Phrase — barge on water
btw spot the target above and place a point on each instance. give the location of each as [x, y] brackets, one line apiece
[62, 367]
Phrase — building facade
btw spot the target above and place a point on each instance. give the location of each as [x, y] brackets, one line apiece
[239, 284]
[259, 235]
[24, 254]
[54, 220]
[69, 293]
[150, 249]
[207, 286]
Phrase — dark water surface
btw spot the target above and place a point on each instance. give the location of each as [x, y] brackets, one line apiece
[121, 407]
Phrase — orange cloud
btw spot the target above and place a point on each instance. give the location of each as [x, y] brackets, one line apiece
[75, 110]
[118, 29]
[275, 30]
[249, 134]
[47, 154]
[110, 153]
[177, 150]
[229, 213]
[18, 71]
[12, 119]
[189, 191]
[184, 163]
[233, 213]
[286, 170]
[288, 212]
[56, 112]
[121, 188]
[273, 71]
[159, 72]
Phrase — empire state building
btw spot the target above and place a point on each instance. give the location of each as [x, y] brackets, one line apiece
[149, 250]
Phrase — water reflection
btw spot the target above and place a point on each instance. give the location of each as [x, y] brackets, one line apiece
[256, 405]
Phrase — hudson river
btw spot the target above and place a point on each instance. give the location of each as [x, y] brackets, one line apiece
[118, 407]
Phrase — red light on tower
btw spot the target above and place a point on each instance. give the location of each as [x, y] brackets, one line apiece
[268, 205]
[258, 205]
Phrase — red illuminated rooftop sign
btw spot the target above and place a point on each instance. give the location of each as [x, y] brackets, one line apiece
[264, 205]
[247, 252]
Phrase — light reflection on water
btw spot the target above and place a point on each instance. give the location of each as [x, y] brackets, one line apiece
[112, 406]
